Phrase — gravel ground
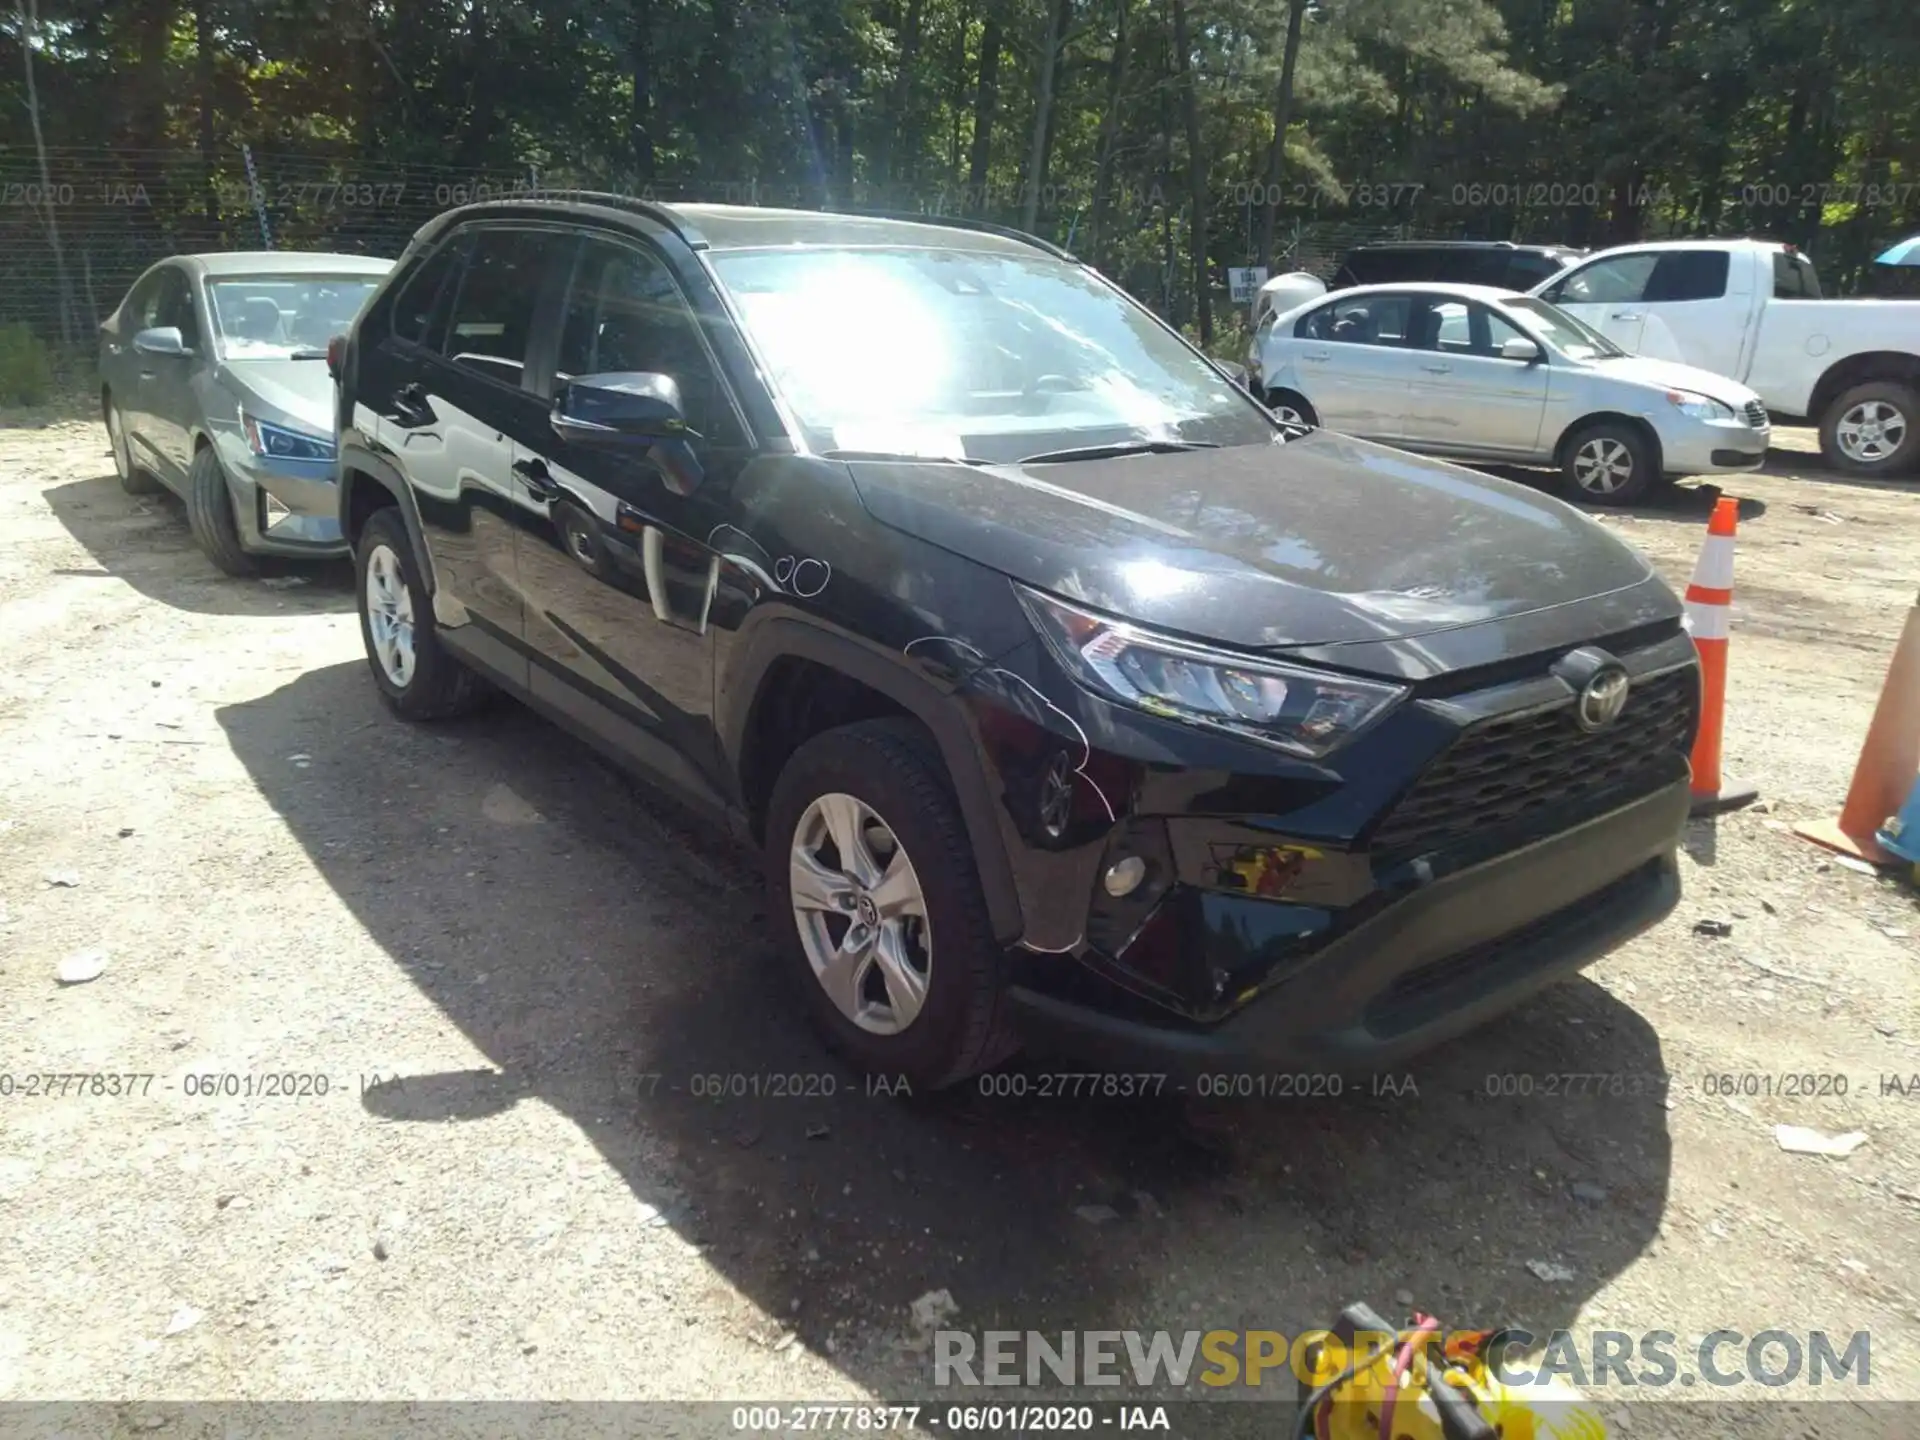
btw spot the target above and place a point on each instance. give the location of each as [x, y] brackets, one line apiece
[510, 970]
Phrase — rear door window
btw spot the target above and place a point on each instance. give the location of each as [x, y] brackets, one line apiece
[1363, 320]
[419, 311]
[1688, 275]
[492, 316]
[1794, 277]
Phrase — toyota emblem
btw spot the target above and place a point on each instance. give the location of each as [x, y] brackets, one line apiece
[1602, 699]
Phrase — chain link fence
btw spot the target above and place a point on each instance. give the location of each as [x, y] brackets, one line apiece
[74, 236]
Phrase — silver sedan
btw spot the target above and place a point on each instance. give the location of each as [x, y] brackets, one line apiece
[214, 384]
[1471, 373]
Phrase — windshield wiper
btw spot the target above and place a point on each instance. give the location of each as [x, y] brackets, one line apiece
[1119, 448]
[893, 455]
[307, 355]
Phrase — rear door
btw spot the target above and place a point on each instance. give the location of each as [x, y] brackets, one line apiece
[449, 388]
[1466, 398]
[1353, 364]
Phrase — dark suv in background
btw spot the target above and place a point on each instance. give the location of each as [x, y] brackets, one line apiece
[1070, 697]
[1499, 263]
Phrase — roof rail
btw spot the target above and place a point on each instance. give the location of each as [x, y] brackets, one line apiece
[957, 222]
[608, 199]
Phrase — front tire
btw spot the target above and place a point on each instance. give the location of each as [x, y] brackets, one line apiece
[1608, 463]
[1869, 431]
[133, 479]
[884, 928]
[418, 678]
[210, 514]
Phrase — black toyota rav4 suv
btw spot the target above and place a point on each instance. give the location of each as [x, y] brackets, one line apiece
[1070, 697]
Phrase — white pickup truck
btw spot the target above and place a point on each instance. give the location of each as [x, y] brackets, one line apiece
[1751, 310]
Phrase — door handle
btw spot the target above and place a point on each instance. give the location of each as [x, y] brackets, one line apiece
[1438, 369]
[535, 476]
[1318, 356]
[1627, 315]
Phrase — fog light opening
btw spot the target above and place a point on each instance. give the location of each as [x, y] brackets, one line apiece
[1123, 877]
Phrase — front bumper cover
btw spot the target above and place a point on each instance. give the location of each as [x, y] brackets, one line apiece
[1427, 965]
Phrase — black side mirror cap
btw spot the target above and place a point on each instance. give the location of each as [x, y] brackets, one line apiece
[638, 411]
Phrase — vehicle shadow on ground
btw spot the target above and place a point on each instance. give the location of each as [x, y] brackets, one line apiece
[1812, 467]
[611, 962]
[145, 541]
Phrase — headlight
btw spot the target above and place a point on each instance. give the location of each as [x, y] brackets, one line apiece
[1699, 407]
[1304, 712]
[282, 443]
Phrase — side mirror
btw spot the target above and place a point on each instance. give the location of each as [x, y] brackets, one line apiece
[636, 411]
[1519, 349]
[162, 340]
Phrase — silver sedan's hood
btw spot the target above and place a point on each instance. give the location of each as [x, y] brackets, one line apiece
[1672, 375]
[285, 392]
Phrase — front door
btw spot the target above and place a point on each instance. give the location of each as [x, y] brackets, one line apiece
[616, 569]
[1609, 295]
[1466, 397]
[166, 381]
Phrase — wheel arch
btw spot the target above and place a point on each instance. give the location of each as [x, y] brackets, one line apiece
[369, 483]
[776, 666]
[1637, 423]
[1868, 366]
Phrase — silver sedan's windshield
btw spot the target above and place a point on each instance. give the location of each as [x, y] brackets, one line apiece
[275, 317]
[970, 354]
[1560, 330]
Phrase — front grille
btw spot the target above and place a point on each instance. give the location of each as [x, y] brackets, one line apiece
[1755, 414]
[1502, 770]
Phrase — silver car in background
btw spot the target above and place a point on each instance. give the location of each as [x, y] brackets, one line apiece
[214, 384]
[1472, 373]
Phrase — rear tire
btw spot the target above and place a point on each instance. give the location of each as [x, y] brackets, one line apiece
[1870, 431]
[133, 479]
[888, 773]
[1608, 463]
[1292, 407]
[418, 678]
[210, 514]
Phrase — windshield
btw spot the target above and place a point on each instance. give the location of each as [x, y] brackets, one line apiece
[275, 317]
[951, 353]
[1562, 331]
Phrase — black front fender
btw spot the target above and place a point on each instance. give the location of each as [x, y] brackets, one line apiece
[783, 637]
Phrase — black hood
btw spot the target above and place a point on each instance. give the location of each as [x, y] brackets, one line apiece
[1321, 541]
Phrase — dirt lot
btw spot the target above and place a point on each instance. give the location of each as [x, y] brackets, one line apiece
[199, 782]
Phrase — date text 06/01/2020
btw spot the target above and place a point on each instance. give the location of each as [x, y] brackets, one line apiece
[956, 1419]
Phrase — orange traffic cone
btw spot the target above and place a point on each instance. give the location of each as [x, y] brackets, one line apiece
[1709, 615]
[1888, 760]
